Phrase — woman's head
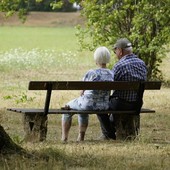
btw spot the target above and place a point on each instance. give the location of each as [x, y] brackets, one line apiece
[102, 55]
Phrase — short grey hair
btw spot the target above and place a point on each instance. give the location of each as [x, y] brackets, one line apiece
[129, 49]
[102, 55]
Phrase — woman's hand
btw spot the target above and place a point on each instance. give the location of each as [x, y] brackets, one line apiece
[81, 92]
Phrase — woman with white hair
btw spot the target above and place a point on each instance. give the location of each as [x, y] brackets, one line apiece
[89, 99]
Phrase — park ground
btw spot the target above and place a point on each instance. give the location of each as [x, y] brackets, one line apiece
[150, 151]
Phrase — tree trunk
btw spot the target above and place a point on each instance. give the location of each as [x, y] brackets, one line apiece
[6, 143]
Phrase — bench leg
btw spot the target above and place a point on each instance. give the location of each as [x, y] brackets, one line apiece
[127, 126]
[35, 127]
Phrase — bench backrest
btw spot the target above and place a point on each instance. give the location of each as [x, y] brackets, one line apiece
[82, 85]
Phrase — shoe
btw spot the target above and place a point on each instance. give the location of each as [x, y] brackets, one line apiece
[81, 137]
[64, 141]
[104, 137]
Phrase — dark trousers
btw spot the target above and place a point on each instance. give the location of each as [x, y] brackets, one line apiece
[107, 122]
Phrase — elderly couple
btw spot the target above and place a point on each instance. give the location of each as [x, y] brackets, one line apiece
[128, 68]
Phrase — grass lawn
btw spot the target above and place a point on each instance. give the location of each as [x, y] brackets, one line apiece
[50, 38]
[43, 53]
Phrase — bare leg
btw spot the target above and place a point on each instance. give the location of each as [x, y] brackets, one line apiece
[65, 129]
[83, 123]
[82, 131]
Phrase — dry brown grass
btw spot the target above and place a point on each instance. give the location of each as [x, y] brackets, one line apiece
[150, 151]
[44, 19]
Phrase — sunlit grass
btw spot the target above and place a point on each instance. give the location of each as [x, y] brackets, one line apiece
[58, 38]
[21, 59]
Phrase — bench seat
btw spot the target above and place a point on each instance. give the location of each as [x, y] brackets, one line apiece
[61, 111]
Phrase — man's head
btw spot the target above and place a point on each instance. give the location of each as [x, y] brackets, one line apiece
[122, 47]
[102, 55]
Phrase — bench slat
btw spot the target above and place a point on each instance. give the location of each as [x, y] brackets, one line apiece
[81, 85]
[153, 85]
[59, 111]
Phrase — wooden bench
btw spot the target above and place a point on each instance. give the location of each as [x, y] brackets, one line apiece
[35, 120]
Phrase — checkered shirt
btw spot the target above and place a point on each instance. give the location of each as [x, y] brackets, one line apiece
[129, 68]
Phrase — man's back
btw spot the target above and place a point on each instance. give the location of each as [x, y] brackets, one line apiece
[129, 68]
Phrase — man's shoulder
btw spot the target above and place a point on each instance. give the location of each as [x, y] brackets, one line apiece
[129, 60]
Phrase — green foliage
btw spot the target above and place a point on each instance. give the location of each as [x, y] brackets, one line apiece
[11, 6]
[22, 98]
[23, 6]
[17, 139]
[56, 5]
[145, 23]
[62, 5]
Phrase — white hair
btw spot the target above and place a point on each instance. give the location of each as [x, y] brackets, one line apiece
[102, 55]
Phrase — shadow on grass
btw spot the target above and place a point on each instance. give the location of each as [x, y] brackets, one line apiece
[50, 159]
[89, 155]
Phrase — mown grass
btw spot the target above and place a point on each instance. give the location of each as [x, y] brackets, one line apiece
[60, 38]
[52, 54]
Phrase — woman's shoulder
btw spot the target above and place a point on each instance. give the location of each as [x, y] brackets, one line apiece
[90, 75]
[91, 71]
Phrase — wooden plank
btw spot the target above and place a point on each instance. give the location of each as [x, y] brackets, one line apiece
[47, 100]
[153, 85]
[81, 85]
[59, 111]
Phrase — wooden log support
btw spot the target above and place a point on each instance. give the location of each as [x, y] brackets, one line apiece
[127, 126]
[35, 127]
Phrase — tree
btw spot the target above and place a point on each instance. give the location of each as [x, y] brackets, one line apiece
[145, 22]
[24, 6]
[11, 6]
[7, 145]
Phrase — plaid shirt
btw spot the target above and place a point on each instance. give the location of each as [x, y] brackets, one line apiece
[129, 68]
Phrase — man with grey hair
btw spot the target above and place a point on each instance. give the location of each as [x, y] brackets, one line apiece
[128, 68]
